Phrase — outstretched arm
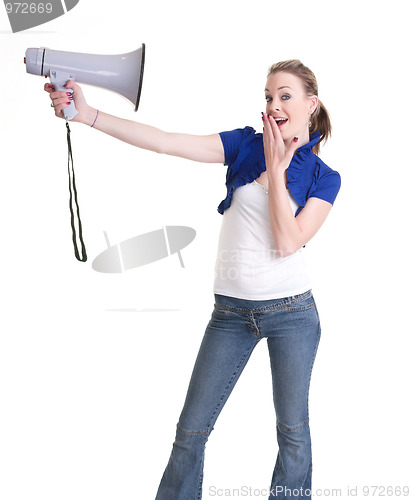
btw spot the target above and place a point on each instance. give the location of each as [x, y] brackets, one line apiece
[202, 148]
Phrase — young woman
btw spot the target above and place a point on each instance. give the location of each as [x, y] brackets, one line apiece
[279, 193]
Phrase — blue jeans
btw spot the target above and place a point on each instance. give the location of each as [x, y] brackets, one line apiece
[292, 328]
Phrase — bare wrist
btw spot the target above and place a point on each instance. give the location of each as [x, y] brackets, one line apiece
[90, 116]
[276, 175]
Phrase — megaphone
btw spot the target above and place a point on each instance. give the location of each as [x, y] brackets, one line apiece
[122, 73]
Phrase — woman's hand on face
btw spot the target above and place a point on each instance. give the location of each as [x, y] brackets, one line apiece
[277, 155]
[61, 99]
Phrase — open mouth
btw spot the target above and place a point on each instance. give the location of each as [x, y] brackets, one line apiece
[281, 121]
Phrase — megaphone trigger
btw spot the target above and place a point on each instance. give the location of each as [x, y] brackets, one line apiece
[59, 79]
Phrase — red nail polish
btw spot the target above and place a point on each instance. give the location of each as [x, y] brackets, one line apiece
[67, 103]
[68, 93]
[295, 139]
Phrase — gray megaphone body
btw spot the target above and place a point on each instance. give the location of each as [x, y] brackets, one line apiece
[121, 73]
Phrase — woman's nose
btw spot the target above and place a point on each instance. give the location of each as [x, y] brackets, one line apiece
[274, 105]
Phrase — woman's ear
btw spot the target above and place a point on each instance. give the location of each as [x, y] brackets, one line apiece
[313, 99]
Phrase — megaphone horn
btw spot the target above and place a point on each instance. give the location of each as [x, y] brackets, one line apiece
[121, 73]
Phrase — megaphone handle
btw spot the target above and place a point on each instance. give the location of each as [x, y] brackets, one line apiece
[58, 80]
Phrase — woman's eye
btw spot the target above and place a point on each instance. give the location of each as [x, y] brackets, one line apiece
[285, 97]
[268, 98]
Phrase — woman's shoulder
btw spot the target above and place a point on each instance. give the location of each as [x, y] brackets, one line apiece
[240, 143]
[325, 172]
[239, 135]
[327, 181]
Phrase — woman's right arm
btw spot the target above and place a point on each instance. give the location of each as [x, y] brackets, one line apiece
[202, 148]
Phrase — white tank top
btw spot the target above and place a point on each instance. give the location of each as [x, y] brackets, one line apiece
[247, 265]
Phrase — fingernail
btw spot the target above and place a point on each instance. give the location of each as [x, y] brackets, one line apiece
[67, 103]
[295, 139]
[70, 98]
[68, 93]
[49, 86]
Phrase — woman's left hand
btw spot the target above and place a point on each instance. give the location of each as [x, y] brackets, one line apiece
[277, 155]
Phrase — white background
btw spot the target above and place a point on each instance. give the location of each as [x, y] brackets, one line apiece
[91, 385]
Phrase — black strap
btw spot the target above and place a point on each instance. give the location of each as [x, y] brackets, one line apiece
[72, 187]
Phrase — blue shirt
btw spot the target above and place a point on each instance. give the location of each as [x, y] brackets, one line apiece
[307, 174]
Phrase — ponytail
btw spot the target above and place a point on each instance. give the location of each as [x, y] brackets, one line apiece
[320, 121]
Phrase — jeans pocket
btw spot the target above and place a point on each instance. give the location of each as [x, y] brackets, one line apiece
[300, 302]
[223, 314]
[222, 311]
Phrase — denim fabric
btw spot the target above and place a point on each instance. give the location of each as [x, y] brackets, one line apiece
[292, 328]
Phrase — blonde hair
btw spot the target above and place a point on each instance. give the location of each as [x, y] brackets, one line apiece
[320, 119]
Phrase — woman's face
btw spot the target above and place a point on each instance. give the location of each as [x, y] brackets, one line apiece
[288, 103]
